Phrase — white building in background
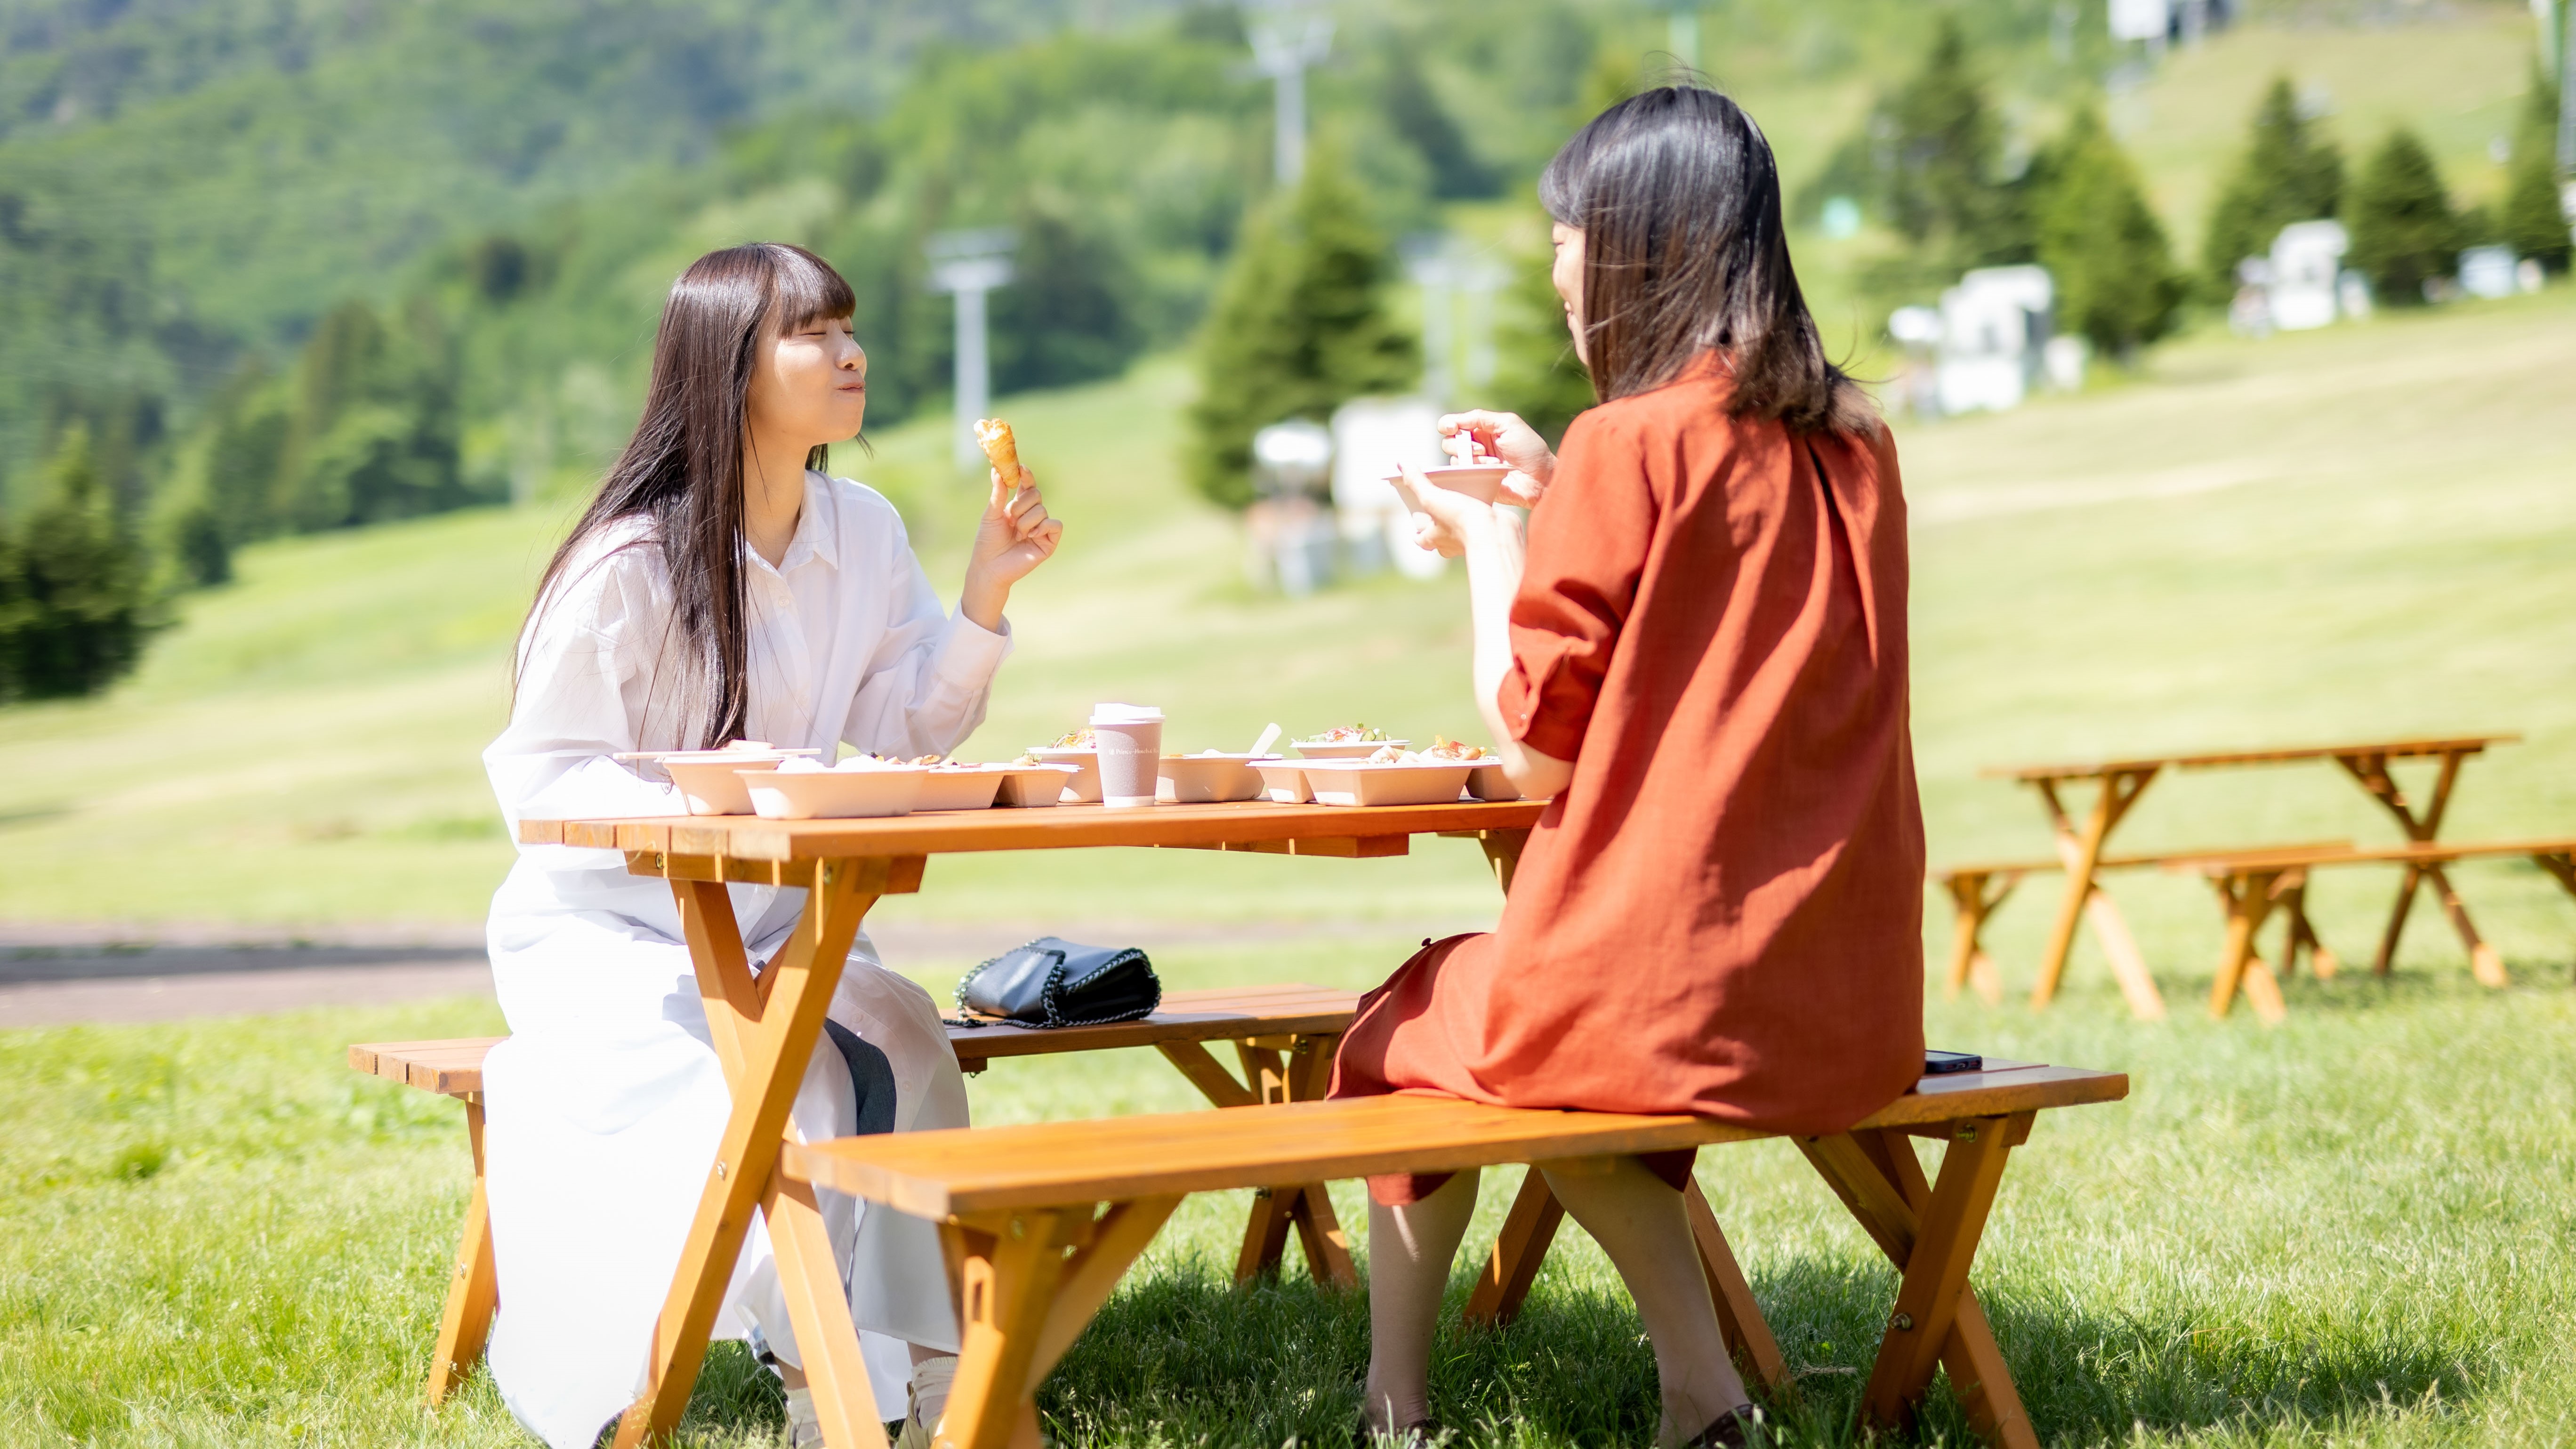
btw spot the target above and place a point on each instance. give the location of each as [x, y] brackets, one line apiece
[1371, 437]
[1995, 327]
[2158, 22]
[2306, 264]
[2488, 272]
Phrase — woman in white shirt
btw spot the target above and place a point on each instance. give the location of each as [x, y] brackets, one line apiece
[719, 587]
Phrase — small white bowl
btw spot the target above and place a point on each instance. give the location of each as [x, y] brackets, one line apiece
[1028, 786]
[835, 794]
[968, 787]
[708, 778]
[1285, 781]
[1356, 750]
[1208, 779]
[1481, 481]
[1084, 787]
[1357, 783]
[1488, 782]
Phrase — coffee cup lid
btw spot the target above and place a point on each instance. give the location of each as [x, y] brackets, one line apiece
[1125, 714]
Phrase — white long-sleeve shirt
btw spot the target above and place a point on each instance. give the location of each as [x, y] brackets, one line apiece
[604, 1106]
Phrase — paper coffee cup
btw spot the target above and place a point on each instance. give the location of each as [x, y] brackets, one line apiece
[1130, 740]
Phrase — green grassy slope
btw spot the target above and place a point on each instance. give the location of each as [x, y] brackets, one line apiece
[2346, 533]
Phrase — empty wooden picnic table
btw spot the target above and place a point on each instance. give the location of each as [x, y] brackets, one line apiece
[764, 1028]
[2119, 783]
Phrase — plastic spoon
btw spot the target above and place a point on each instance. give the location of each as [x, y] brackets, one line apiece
[1268, 738]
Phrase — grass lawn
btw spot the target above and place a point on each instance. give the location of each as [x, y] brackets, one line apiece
[2354, 1230]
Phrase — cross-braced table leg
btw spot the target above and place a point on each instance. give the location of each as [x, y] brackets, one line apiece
[764, 1032]
[2485, 962]
[1930, 1231]
[1530, 1228]
[2086, 900]
[475, 1289]
[2301, 935]
[1975, 895]
[1302, 1075]
[1027, 1283]
[2249, 896]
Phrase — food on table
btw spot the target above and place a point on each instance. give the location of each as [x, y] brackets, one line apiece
[1448, 749]
[1352, 734]
[1080, 739]
[1026, 759]
[1001, 448]
[1393, 755]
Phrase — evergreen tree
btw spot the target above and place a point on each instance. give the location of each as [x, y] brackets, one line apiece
[2288, 173]
[1939, 163]
[374, 431]
[2404, 232]
[2115, 275]
[73, 605]
[1299, 326]
[2532, 222]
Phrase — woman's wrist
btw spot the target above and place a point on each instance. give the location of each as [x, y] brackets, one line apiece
[981, 602]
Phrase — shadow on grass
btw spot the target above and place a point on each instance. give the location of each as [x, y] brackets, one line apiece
[1180, 1358]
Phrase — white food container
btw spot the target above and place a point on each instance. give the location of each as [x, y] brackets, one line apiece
[706, 777]
[1480, 481]
[1357, 783]
[1285, 781]
[835, 794]
[1208, 779]
[1084, 787]
[1357, 750]
[1027, 786]
[970, 787]
[1488, 782]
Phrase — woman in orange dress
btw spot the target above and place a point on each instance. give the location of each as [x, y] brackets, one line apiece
[1698, 648]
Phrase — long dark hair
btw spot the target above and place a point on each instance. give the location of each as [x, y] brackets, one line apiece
[682, 471]
[1678, 199]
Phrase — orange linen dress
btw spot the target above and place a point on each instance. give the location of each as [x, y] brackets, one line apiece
[1722, 913]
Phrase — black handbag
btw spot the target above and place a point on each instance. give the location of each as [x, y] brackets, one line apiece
[1054, 982]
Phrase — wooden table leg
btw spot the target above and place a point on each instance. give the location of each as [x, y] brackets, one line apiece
[2375, 777]
[1301, 1076]
[766, 1031]
[1522, 1246]
[2249, 896]
[2082, 852]
[1932, 1238]
[2302, 936]
[474, 1292]
[1975, 895]
[1030, 1281]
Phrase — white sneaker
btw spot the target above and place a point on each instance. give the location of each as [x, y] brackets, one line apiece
[926, 1401]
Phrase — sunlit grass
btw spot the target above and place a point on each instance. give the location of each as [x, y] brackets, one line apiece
[2353, 1230]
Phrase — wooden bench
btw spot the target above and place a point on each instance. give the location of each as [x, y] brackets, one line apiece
[1976, 891]
[2251, 885]
[1041, 1221]
[1284, 1037]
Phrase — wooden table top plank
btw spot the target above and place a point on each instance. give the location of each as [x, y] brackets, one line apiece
[2412, 748]
[975, 1169]
[2421, 853]
[1057, 827]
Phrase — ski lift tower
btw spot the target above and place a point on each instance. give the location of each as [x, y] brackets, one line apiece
[968, 265]
[1288, 36]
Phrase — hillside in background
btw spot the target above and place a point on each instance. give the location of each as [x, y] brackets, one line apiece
[187, 189]
[2350, 533]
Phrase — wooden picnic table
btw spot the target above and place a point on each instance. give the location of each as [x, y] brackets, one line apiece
[2119, 783]
[764, 1028]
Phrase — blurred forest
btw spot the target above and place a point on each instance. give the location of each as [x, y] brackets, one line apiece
[286, 265]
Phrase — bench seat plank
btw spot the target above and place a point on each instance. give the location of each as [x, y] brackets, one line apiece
[967, 1170]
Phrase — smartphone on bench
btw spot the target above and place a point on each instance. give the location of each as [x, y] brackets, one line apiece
[1942, 1064]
